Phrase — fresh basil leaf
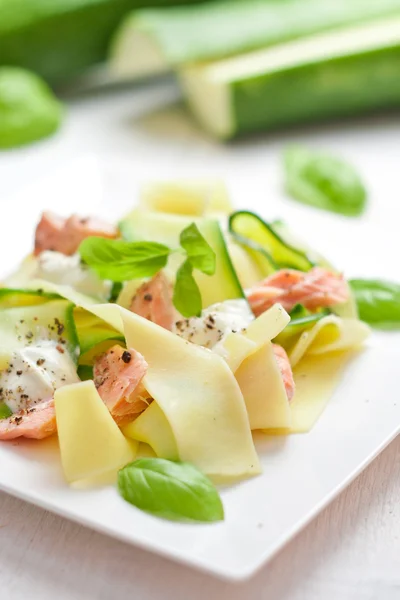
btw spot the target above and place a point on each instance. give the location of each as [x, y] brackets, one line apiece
[121, 261]
[378, 302]
[172, 490]
[199, 252]
[5, 412]
[29, 110]
[187, 297]
[323, 181]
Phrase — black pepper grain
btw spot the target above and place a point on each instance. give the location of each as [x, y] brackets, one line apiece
[126, 357]
[59, 325]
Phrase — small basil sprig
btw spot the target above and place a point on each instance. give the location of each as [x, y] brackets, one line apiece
[378, 302]
[323, 181]
[172, 490]
[121, 261]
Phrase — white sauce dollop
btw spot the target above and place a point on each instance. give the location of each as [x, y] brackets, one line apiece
[34, 373]
[216, 322]
[68, 270]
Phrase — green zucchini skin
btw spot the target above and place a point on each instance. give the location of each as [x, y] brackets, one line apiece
[58, 39]
[15, 297]
[53, 319]
[227, 28]
[265, 245]
[339, 87]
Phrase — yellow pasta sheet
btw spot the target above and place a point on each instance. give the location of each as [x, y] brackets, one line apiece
[197, 393]
[91, 443]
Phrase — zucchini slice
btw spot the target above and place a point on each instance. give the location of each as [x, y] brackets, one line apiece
[293, 330]
[186, 197]
[95, 336]
[13, 298]
[268, 249]
[25, 325]
[166, 229]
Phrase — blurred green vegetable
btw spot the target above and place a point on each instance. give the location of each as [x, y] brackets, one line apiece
[323, 181]
[155, 40]
[28, 109]
[59, 39]
[378, 302]
[339, 73]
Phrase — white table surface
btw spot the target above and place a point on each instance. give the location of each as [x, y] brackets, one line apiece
[352, 550]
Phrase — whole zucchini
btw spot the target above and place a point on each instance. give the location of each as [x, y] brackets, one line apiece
[155, 40]
[60, 38]
[341, 73]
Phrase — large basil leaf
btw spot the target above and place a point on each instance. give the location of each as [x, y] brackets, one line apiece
[378, 302]
[323, 181]
[172, 490]
[121, 261]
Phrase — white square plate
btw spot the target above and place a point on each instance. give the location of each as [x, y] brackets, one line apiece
[302, 473]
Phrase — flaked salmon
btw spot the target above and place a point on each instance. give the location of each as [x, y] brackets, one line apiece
[318, 288]
[118, 375]
[153, 301]
[65, 235]
[37, 422]
[286, 370]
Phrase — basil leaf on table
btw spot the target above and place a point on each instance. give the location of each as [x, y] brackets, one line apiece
[323, 181]
[29, 111]
[199, 252]
[378, 302]
[187, 297]
[172, 490]
[121, 261]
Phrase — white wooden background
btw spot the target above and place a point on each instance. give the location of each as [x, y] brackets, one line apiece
[352, 550]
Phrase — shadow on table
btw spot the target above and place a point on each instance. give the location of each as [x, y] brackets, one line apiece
[65, 561]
